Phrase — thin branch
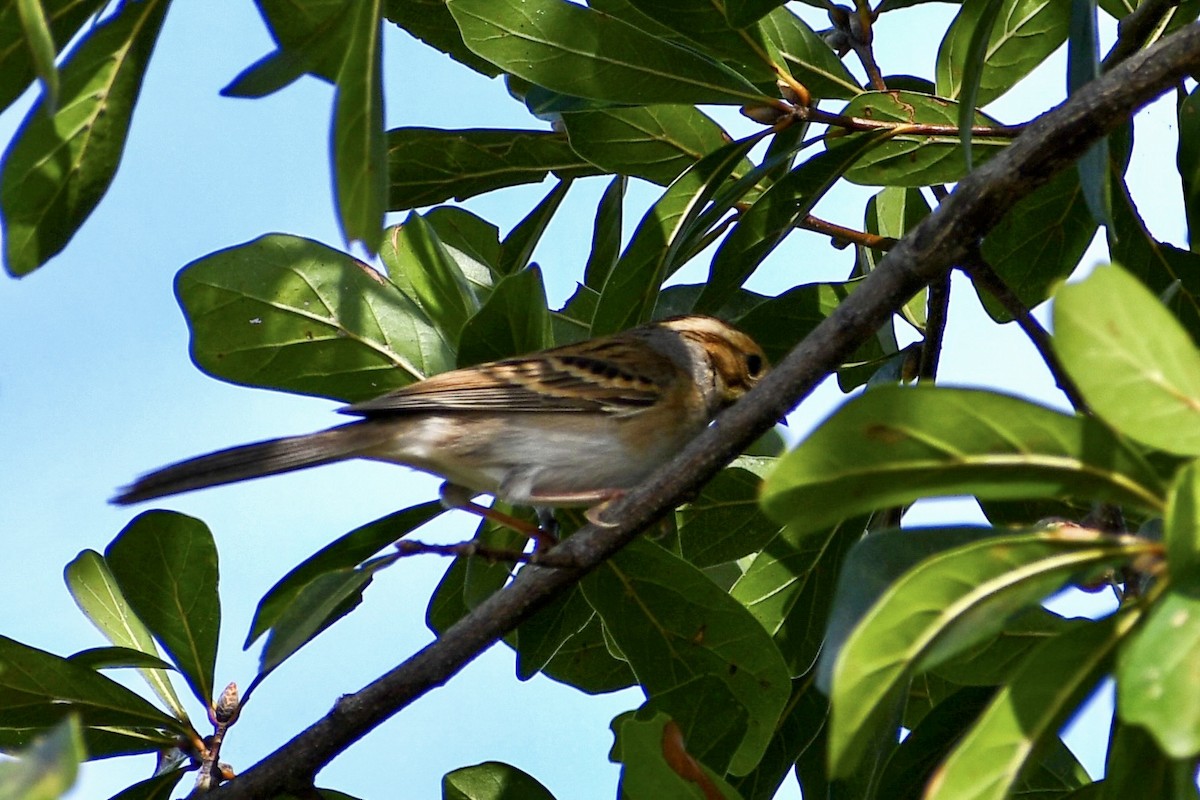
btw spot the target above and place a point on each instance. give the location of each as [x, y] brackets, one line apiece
[843, 236]
[986, 278]
[938, 304]
[477, 549]
[942, 239]
[915, 128]
[1135, 29]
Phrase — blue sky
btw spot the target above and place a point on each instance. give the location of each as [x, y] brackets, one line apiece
[96, 387]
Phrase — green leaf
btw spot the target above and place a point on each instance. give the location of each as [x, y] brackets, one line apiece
[655, 143]
[1135, 365]
[606, 234]
[431, 22]
[287, 313]
[571, 49]
[160, 787]
[429, 165]
[343, 553]
[60, 165]
[1156, 672]
[944, 605]
[656, 763]
[894, 211]
[473, 242]
[423, 269]
[314, 607]
[894, 445]
[773, 216]
[40, 42]
[788, 587]
[674, 625]
[492, 780]
[514, 321]
[801, 726]
[707, 30]
[1181, 524]
[99, 658]
[988, 761]
[1026, 33]
[744, 12]
[993, 662]
[1083, 67]
[64, 17]
[166, 566]
[359, 152]
[540, 637]
[976, 58]
[1188, 160]
[46, 769]
[909, 159]
[33, 680]
[1039, 242]
[1165, 269]
[98, 596]
[586, 662]
[307, 25]
[1137, 767]
[518, 246]
[632, 288]
[807, 57]
[724, 523]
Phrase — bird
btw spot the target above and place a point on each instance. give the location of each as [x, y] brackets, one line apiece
[572, 426]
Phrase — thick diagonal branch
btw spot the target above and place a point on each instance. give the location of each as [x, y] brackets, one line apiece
[1052, 142]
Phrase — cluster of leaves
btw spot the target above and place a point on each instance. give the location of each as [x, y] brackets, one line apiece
[752, 662]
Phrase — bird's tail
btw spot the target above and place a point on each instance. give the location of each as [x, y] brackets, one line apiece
[252, 461]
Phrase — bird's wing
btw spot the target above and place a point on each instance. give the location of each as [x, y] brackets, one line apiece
[618, 374]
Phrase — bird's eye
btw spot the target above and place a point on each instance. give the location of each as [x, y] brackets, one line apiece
[754, 364]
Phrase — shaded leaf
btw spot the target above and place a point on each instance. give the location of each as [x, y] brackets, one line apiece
[1135, 365]
[894, 211]
[518, 246]
[990, 758]
[574, 50]
[46, 769]
[423, 269]
[801, 726]
[655, 761]
[429, 165]
[98, 658]
[724, 523]
[64, 17]
[606, 235]
[287, 313]
[707, 30]
[431, 22]
[807, 57]
[674, 625]
[513, 321]
[1083, 67]
[492, 780]
[60, 165]
[1188, 160]
[894, 445]
[166, 566]
[160, 787]
[40, 42]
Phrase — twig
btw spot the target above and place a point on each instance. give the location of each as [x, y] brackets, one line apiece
[915, 128]
[985, 277]
[938, 304]
[1052, 142]
[1136, 28]
[477, 549]
[843, 236]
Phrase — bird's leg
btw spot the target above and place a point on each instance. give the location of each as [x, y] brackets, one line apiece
[455, 496]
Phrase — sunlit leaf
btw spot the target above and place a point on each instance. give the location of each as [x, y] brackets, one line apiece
[65, 17]
[46, 769]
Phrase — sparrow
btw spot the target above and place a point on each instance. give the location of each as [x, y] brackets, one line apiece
[572, 426]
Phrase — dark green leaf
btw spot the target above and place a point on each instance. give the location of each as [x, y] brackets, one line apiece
[1039, 242]
[894, 445]
[577, 51]
[706, 29]
[976, 58]
[46, 769]
[160, 787]
[988, 761]
[630, 293]
[97, 594]
[517, 248]
[514, 321]
[724, 522]
[431, 22]
[586, 661]
[287, 313]
[473, 242]
[1135, 365]
[166, 566]
[1182, 523]
[343, 553]
[774, 215]
[60, 165]
[1188, 160]
[1136, 766]
[656, 143]
[909, 159]
[98, 658]
[993, 662]
[674, 625]
[492, 780]
[800, 727]
[743, 12]
[423, 269]
[360, 154]
[894, 211]
[65, 17]
[539, 638]
[1083, 67]
[693, 705]
[606, 234]
[788, 587]
[298, 25]
[429, 165]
